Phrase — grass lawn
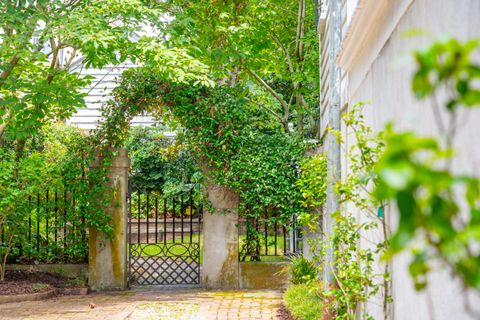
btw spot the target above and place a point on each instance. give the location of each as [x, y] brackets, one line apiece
[152, 249]
[304, 302]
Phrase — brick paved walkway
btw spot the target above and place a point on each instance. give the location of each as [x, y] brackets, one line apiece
[142, 305]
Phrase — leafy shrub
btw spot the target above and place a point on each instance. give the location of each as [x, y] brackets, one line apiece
[304, 301]
[160, 163]
[56, 160]
[312, 181]
[264, 171]
[302, 270]
[312, 185]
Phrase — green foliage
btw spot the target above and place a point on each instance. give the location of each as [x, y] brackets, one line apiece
[439, 213]
[264, 171]
[304, 301]
[234, 142]
[363, 156]
[57, 160]
[270, 46]
[429, 199]
[161, 167]
[448, 62]
[14, 212]
[160, 163]
[302, 270]
[42, 45]
[41, 41]
[355, 279]
[312, 185]
[71, 154]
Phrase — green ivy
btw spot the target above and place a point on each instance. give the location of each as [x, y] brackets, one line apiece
[312, 185]
[233, 140]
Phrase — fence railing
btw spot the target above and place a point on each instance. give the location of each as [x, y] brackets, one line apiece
[155, 217]
[262, 239]
[51, 229]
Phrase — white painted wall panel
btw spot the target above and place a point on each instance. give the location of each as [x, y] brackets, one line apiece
[382, 81]
[98, 93]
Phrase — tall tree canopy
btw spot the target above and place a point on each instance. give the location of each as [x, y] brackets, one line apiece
[269, 44]
[41, 39]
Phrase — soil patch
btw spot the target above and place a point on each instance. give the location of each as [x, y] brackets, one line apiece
[284, 314]
[25, 282]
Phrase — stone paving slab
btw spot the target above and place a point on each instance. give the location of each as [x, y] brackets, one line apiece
[151, 304]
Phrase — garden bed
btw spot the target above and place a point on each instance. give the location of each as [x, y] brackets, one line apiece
[284, 314]
[23, 285]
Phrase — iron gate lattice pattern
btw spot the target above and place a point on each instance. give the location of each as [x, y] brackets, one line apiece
[164, 238]
[165, 267]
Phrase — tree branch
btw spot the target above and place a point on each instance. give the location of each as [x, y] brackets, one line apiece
[284, 49]
[268, 109]
[8, 70]
[54, 61]
[275, 94]
[268, 88]
[300, 30]
[70, 59]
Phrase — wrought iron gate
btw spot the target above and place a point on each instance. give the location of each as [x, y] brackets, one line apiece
[164, 237]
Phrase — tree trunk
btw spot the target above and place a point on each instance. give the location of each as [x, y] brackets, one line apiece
[6, 253]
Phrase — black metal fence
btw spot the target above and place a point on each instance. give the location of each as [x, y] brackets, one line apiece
[51, 228]
[165, 237]
[156, 218]
[264, 239]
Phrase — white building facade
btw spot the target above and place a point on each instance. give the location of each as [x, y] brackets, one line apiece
[374, 58]
[99, 92]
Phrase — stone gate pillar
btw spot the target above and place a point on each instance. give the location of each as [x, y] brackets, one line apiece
[311, 237]
[107, 258]
[220, 240]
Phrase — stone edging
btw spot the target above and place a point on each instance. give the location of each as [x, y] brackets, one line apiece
[42, 295]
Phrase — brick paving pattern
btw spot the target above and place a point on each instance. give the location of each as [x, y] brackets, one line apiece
[154, 304]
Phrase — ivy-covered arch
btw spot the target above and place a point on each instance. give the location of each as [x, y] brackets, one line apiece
[245, 155]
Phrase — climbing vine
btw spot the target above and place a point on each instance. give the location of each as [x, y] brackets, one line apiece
[234, 141]
[357, 271]
[312, 185]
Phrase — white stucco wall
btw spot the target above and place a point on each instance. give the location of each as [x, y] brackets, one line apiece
[382, 77]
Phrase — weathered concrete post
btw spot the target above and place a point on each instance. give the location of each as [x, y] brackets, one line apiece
[107, 260]
[311, 238]
[220, 240]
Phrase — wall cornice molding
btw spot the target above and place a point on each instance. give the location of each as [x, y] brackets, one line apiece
[364, 26]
